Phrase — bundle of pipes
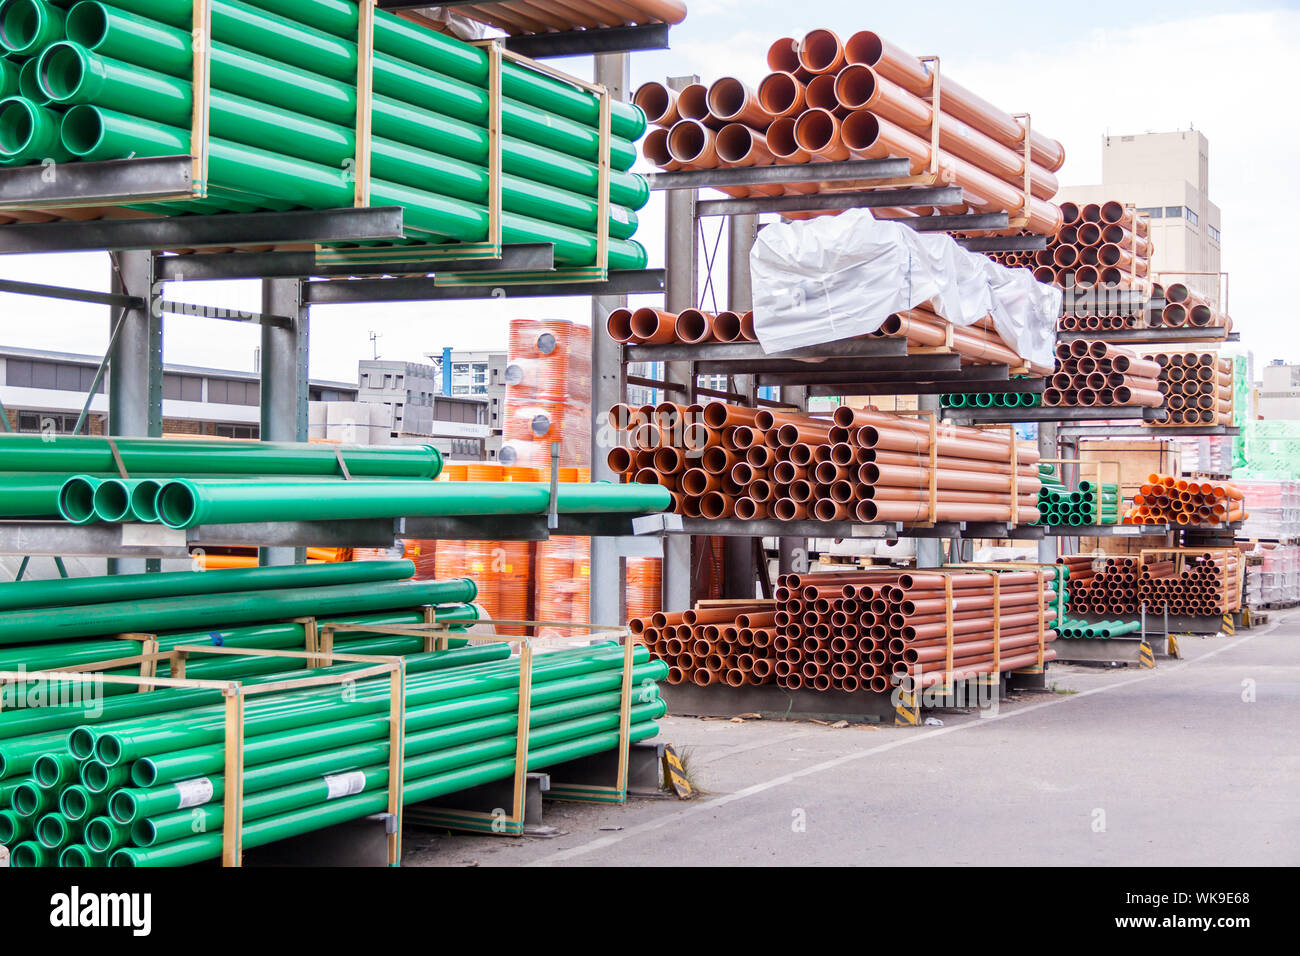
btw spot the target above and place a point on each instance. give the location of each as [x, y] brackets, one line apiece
[728, 461]
[1089, 503]
[1198, 388]
[1165, 499]
[1099, 244]
[1185, 308]
[548, 396]
[1096, 630]
[992, 400]
[727, 643]
[1091, 321]
[141, 785]
[863, 98]
[867, 630]
[1192, 582]
[1097, 373]
[977, 344]
[572, 15]
[1102, 586]
[693, 327]
[112, 80]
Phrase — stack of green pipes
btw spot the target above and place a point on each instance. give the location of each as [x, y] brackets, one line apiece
[1096, 630]
[103, 81]
[992, 400]
[144, 788]
[1088, 504]
[64, 623]
[291, 482]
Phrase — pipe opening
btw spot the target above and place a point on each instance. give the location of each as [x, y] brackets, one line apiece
[727, 97]
[175, 503]
[82, 131]
[814, 131]
[781, 139]
[855, 86]
[693, 102]
[864, 47]
[778, 92]
[21, 25]
[17, 125]
[734, 142]
[87, 24]
[655, 146]
[112, 501]
[819, 51]
[654, 98]
[687, 142]
[61, 71]
[860, 132]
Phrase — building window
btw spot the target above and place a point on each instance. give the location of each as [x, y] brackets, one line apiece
[1174, 212]
[32, 422]
[1194, 219]
[1214, 233]
[1153, 212]
[222, 430]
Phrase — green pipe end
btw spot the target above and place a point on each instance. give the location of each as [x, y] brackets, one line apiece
[28, 132]
[108, 750]
[28, 25]
[52, 831]
[112, 501]
[101, 834]
[11, 825]
[68, 73]
[48, 770]
[144, 498]
[26, 799]
[29, 854]
[123, 807]
[77, 502]
[87, 24]
[74, 803]
[75, 856]
[176, 503]
[144, 772]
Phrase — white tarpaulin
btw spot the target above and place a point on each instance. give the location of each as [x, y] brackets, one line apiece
[835, 277]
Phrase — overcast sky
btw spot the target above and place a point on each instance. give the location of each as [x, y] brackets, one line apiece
[1081, 69]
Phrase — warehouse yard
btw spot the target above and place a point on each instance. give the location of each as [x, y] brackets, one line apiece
[1113, 767]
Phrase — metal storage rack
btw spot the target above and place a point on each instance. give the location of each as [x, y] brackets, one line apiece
[231, 246]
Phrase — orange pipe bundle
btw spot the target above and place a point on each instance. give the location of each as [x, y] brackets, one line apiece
[1098, 245]
[548, 382]
[976, 344]
[1164, 499]
[1110, 590]
[728, 461]
[1094, 373]
[828, 99]
[692, 327]
[644, 587]
[730, 643]
[1198, 389]
[1195, 582]
[868, 630]
[1184, 308]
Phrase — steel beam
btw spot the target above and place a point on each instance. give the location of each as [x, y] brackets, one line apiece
[114, 299]
[608, 589]
[739, 573]
[284, 391]
[525, 257]
[858, 199]
[425, 289]
[847, 171]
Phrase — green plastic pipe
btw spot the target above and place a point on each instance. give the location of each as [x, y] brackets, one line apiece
[280, 745]
[112, 500]
[27, 496]
[121, 35]
[54, 832]
[72, 454]
[29, 132]
[79, 855]
[129, 806]
[100, 781]
[29, 800]
[103, 835]
[116, 745]
[77, 804]
[14, 827]
[29, 86]
[185, 503]
[53, 770]
[205, 846]
[174, 613]
[29, 853]
[64, 592]
[27, 26]
[8, 78]
[143, 493]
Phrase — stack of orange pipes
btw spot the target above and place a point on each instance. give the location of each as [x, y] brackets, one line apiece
[1185, 308]
[1089, 320]
[1104, 591]
[728, 461]
[1192, 581]
[691, 327]
[1099, 244]
[1096, 373]
[1198, 388]
[727, 643]
[977, 344]
[862, 98]
[644, 586]
[1164, 499]
[866, 630]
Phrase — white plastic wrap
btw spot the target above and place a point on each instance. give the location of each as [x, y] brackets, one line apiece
[833, 277]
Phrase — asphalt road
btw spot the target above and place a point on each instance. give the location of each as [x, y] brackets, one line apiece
[1193, 763]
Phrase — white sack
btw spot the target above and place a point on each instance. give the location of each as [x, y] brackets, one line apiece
[834, 277]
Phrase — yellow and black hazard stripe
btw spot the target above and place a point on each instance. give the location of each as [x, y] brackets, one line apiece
[1146, 656]
[906, 711]
[1174, 650]
[1229, 625]
[675, 774]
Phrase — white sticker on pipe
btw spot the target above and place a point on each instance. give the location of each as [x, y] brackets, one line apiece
[344, 784]
[194, 793]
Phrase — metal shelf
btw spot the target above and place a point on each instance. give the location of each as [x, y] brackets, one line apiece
[811, 528]
[750, 352]
[780, 175]
[856, 199]
[1045, 413]
[426, 289]
[1153, 336]
[1002, 243]
[1107, 531]
[61, 539]
[1130, 431]
[525, 257]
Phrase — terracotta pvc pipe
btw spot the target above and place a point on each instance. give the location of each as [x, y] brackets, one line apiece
[782, 143]
[821, 52]
[783, 56]
[781, 94]
[619, 325]
[739, 145]
[747, 326]
[653, 327]
[655, 149]
[693, 104]
[694, 326]
[787, 509]
[870, 49]
[732, 101]
[658, 102]
[718, 415]
[693, 144]
[726, 327]
[817, 132]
